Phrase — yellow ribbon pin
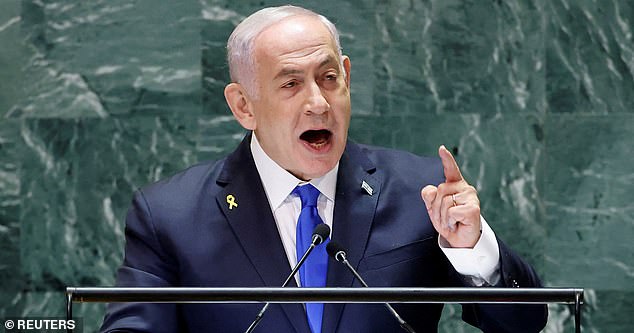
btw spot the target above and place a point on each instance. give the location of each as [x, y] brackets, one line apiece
[231, 200]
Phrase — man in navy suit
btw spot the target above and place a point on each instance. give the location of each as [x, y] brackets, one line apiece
[231, 223]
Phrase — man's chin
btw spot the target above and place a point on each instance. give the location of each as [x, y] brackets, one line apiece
[314, 169]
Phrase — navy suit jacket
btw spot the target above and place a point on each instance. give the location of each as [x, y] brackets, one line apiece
[181, 232]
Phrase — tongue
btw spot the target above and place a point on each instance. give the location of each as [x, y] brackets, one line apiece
[315, 137]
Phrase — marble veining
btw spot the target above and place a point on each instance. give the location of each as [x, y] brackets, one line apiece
[535, 98]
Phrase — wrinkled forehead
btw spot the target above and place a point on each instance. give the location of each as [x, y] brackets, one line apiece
[299, 34]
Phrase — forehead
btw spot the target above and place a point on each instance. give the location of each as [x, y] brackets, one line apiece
[296, 37]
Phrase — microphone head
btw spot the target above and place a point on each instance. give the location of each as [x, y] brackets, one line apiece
[336, 251]
[321, 233]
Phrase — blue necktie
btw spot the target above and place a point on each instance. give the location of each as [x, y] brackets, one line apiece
[313, 272]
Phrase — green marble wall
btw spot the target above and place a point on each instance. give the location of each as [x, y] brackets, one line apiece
[536, 97]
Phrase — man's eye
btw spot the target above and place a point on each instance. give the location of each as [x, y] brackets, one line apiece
[331, 77]
[289, 84]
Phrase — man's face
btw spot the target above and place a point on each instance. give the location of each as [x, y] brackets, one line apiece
[302, 108]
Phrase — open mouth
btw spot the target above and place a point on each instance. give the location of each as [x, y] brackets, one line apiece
[316, 138]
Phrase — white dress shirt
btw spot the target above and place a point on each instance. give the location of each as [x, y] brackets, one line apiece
[480, 264]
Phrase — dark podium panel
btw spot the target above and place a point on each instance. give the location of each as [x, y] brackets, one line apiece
[329, 295]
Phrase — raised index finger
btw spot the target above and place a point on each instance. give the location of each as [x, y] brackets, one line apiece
[452, 172]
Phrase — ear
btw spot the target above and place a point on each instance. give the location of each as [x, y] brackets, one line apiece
[240, 106]
[346, 68]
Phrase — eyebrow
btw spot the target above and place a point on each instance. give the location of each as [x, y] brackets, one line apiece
[292, 71]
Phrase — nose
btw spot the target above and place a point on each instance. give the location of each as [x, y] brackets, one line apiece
[316, 102]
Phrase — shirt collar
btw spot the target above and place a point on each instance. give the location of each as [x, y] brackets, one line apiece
[279, 183]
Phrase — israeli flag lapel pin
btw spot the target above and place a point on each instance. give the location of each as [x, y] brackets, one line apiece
[367, 187]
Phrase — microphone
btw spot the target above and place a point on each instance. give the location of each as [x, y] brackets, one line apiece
[338, 252]
[320, 234]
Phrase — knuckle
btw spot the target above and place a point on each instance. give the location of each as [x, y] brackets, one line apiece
[472, 189]
[447, 201]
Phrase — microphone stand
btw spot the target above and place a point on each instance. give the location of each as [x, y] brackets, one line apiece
[340, 256]
[320, 233]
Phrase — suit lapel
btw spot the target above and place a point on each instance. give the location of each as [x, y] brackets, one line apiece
[244, 203]
[353, 217]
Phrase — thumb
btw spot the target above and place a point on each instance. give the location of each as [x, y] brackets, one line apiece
[428, 193]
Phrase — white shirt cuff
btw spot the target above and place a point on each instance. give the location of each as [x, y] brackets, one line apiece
[480, 264]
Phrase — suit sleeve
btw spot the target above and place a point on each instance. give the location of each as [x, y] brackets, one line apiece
[146, 264]
[516, 318]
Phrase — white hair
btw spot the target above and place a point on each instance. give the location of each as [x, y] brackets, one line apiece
[241, 43]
